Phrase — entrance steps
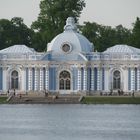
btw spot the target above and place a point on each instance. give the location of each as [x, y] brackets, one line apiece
[51, 99]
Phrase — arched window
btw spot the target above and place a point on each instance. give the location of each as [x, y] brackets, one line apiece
[14, 80]
[64, 80]
[116, 80]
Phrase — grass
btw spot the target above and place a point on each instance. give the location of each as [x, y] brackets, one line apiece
[3, 100]
[100, 100]
[110, 100]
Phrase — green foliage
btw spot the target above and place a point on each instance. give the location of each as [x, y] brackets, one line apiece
[3, 100]
[39, 41]
[52, 17]
[111, 100]
[136, 34]
[105, 36]
[50, 22]
[14, 32]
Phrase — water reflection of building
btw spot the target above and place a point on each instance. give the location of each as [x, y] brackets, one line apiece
[70, 66]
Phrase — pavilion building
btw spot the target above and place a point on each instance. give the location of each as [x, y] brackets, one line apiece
[70, 66]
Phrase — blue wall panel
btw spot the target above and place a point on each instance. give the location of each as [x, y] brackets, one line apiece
[33, 79]
[95, 78]
[129, 79]
[27, 78]
[135, 78]
[103, 79]
[1, 78]
[52, 78]
[75, 77]
[44, 78]
[82, 78]
[88, 78]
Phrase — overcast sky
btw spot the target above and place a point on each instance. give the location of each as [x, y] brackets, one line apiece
[106, 12]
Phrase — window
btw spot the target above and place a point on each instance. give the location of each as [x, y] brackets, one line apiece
[64, 80]
[14, 80]
[66, 48]
[116, 80]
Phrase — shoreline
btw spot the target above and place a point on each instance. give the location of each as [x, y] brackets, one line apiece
[110, 100]
[84, 100]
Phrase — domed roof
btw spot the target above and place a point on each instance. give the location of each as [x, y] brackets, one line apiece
[21, 49]
[122, 49]
[70, 36]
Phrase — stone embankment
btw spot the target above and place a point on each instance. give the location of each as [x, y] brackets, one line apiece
[41, 99]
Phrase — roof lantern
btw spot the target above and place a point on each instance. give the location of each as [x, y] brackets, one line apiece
[70, 24]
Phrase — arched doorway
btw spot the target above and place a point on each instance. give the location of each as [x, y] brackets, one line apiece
[14, 80]
[64, 80]
[116, 80]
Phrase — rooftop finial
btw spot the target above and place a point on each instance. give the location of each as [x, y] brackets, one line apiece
[70, 24]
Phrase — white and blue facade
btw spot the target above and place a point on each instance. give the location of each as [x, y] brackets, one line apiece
[70, 66]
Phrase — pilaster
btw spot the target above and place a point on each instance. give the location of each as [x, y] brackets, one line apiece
[132, 79]
[92, 78]
[98, 79]
[79, 79]
[85, 79]
[23, 77]
[47, 78]
[30, 77]
[138, 79]
[124, 79]
[36, 79]
[5, 82]
[41, 79]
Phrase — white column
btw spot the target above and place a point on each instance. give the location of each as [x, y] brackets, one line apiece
[124, 80]
[36, 79]
[92, 78]
[138, 78]
[85, 79]
[79, 79]
[106, 79]
[5, 82]
[101, 78]
[41, 79]
[30, 76]
[47, 79]
[132, 79]
[23, 79]
[98, 79]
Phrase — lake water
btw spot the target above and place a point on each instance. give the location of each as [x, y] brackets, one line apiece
[69, 122]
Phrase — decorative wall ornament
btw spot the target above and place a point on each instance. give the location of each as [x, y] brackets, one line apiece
[66, 47]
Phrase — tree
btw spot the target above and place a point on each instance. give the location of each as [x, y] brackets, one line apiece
[14, 32]
[101, 36]
[39, 42]
[136, 33]
[52, 17]
[22, 34]
[5, 33]
[105, 36]
[122, 35]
